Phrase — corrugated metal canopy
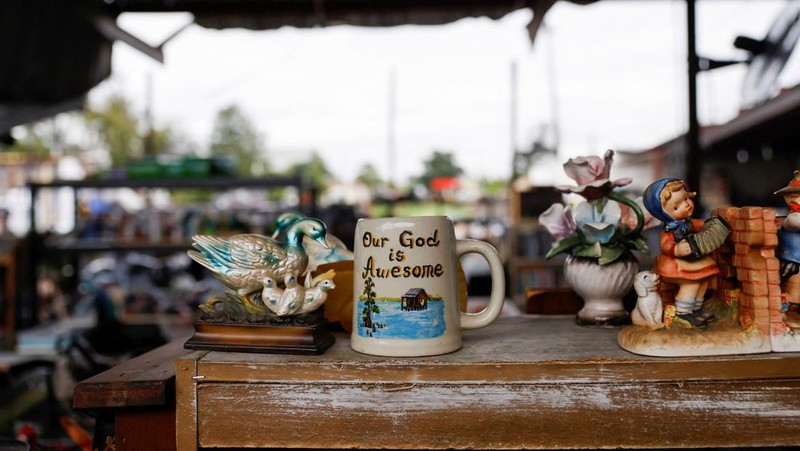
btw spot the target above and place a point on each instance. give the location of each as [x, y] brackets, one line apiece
[271, 14]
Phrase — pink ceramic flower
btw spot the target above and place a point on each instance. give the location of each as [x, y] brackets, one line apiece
[592, 175]
[558, 220]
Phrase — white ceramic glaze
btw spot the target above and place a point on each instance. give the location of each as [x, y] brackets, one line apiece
[602, 288]
[405, 287]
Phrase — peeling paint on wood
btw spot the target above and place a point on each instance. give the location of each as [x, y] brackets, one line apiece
[508, 388]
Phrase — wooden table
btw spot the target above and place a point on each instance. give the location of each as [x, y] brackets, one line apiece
[522, 382]
[138, 396]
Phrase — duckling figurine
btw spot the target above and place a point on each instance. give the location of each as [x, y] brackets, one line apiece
[337, 251]
[316, 291]
[242, 262]
[292, 297]
[270, 294]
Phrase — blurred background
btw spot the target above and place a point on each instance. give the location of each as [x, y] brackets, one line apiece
[127, 126]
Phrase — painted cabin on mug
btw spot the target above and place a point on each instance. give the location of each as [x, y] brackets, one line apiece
[415, 299]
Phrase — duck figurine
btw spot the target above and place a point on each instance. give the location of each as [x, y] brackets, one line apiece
[316, 291]
[242, 262]
[337, 251]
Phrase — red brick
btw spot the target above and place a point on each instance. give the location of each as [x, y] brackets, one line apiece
[727, 213]
[771, 227]
[750, 212]
[753, 238]
[761, 303]
[770, 240]
[768, 214]
[774, 290]
[773, 277]
[773, 264]
[742, 249]
[742, 273]
[754, 261]
[754, 225]
[774, 302]
[755, 289]
[754, 276]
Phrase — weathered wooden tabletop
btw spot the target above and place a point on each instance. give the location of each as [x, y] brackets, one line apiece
[522, 382]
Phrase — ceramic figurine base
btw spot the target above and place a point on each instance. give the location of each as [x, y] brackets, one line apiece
[785, 331]
[725, 336]
[311, 339]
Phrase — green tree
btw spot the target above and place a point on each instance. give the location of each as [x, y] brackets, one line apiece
[368, 175]
[117, 128]
[440, 164]
[235, 136]
[314, 168]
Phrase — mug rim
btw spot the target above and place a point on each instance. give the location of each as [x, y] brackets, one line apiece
[408, 217]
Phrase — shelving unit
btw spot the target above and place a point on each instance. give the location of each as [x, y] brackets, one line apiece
[75, 246]
[529, 242]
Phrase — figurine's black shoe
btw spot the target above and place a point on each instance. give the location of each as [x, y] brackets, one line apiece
[694, 320]
[708, 317]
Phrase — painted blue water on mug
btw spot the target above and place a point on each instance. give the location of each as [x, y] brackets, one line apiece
[392, 322]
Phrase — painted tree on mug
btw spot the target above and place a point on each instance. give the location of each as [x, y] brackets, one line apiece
[370, 306]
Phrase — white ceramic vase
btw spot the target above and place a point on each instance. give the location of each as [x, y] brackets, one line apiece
[602, 288]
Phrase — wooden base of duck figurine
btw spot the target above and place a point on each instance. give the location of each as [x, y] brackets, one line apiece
[303, 334]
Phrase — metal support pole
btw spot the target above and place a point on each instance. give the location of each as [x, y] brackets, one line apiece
[693, 150]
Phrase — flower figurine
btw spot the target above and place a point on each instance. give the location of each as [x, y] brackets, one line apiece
[592, 175]
[595, 228]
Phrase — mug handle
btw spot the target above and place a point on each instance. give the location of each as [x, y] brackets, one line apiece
[498, 296]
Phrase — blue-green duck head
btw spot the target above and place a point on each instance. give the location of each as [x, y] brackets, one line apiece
[284, 221]
[310, 227]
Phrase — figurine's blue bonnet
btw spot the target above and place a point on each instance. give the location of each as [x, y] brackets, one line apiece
[652, 202]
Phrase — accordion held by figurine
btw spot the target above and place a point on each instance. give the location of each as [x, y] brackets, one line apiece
[709, 238]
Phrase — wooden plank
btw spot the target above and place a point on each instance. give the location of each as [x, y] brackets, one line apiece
[499, 416]
[146, 380]
[186, 400]
[517, 349]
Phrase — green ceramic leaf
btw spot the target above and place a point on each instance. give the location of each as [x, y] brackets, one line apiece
[610, 253]
[564, 245]
[594, 250]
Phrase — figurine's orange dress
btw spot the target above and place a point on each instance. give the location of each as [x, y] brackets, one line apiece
[670, 266]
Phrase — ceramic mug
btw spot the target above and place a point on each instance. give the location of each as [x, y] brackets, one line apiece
[405, 287]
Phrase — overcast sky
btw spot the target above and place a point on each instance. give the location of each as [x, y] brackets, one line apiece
[616, 69]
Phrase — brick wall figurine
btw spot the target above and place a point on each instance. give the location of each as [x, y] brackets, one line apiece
[717, 289]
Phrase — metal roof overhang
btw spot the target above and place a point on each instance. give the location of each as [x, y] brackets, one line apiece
[55, 51]
[774, 121]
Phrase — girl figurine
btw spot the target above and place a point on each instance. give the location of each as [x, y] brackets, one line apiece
[685, 244]
[789, 247]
